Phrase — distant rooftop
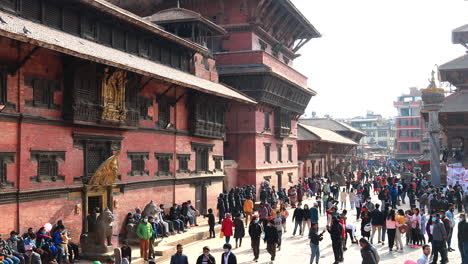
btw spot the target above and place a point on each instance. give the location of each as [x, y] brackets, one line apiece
[331, 124]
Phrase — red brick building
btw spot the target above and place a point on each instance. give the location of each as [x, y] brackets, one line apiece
[409, 126]
[254, 55]
[81, 81]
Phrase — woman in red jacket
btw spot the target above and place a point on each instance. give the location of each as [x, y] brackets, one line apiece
[226, 227]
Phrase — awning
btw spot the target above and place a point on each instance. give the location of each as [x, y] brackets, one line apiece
[324, 135]
[36, 34]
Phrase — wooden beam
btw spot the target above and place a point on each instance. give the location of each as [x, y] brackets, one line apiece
[276, 19]
[267, 19]
[301, 44]
[24, 60]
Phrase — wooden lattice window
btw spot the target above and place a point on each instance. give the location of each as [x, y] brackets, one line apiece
[266, 124]
[164, 163]
[218, 162]
[3, 88]
[43, 93]
[183, 160]
[202, 151]
[137, 160]
[144, 103]
[47, 165]
[5, 159]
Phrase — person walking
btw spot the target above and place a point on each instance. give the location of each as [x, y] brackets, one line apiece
[255, 232]
[228, 257]
[314, 214]
[358, 204]
[352, 197]
[239, 230]
[451, 216]
[144, 233]
[377, 221]
[463, 238]
[368, 252]
[400, 224]
[226, 227]
[206, 257]
[279, 228]
[336, 231]
[343, 195]
[315, 239]
[284, 215]
[305, 219]
[248, 210]
[298, 216]
[439, 238]
[179, 257]
[391, 228]
[271, 239]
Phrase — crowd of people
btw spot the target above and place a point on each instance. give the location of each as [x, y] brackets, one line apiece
[48, 246]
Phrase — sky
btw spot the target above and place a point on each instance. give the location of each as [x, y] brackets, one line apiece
[372, 51]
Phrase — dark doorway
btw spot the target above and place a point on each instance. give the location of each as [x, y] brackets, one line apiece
[200, 198]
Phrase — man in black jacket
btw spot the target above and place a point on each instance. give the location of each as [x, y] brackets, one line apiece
[228, 257]
[255, 231]
[206, 257]
[298, 216]
[271, 238]
[377, 221]
[368, 253]
[335, 231]
[463, 238]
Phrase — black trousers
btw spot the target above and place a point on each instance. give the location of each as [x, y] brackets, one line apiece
[391, 237]
[255, 242]
[439, 247]
[73, 251]
[212, 231]
[358, 212]
[337, 250]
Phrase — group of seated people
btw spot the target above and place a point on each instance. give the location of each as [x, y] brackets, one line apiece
[40, 247]
[180, 218]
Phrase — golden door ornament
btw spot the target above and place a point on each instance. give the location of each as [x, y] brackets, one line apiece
[113, 95]
[106, 174]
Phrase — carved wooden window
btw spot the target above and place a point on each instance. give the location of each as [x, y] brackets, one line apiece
[47, 165]
[54, 15]
[217, 161]
[266, 125]
[263, 45]
[5, 159]
[183, 160]
[10, 5]
[202, 152]
[43, 93]
[290, 177]
[164, 162]
[267, 152]
[3, 88]
[137, 160]
[290, 154]
[96, 154]
[31, 9]
[89, 28]
[279, 149]
[164, 113]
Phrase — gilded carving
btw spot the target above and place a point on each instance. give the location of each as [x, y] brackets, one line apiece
[113, 95]
[106, 174]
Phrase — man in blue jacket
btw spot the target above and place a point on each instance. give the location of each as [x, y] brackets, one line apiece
[314, 217]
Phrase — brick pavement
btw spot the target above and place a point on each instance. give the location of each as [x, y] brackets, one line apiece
[296, 249]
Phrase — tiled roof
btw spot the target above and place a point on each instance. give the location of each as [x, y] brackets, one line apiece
[456, 64]
[322, 135]
[456, 102]
[42, 36]
[330, 124]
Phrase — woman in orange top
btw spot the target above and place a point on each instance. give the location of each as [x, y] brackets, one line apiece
[400, 220]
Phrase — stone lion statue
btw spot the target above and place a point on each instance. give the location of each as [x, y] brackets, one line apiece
[96, 241]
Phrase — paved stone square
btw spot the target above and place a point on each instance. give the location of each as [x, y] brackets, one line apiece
[295, 249]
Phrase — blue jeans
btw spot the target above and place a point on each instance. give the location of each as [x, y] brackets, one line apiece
[315, 253]
[12, 260]
[297, 223]
[179, 224]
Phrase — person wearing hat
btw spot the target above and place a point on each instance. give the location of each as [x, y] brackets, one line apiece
[255, 232]
[30, 256]
[206, 257]
[271, 238]
[228, 257]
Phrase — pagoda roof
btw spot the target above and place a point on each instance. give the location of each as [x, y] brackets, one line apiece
[331, 124]
[456, 102]
[175, 15]
[40, 35]
[460, 35]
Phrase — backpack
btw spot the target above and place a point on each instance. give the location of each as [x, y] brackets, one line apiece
[376, 254]
[381, 195]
